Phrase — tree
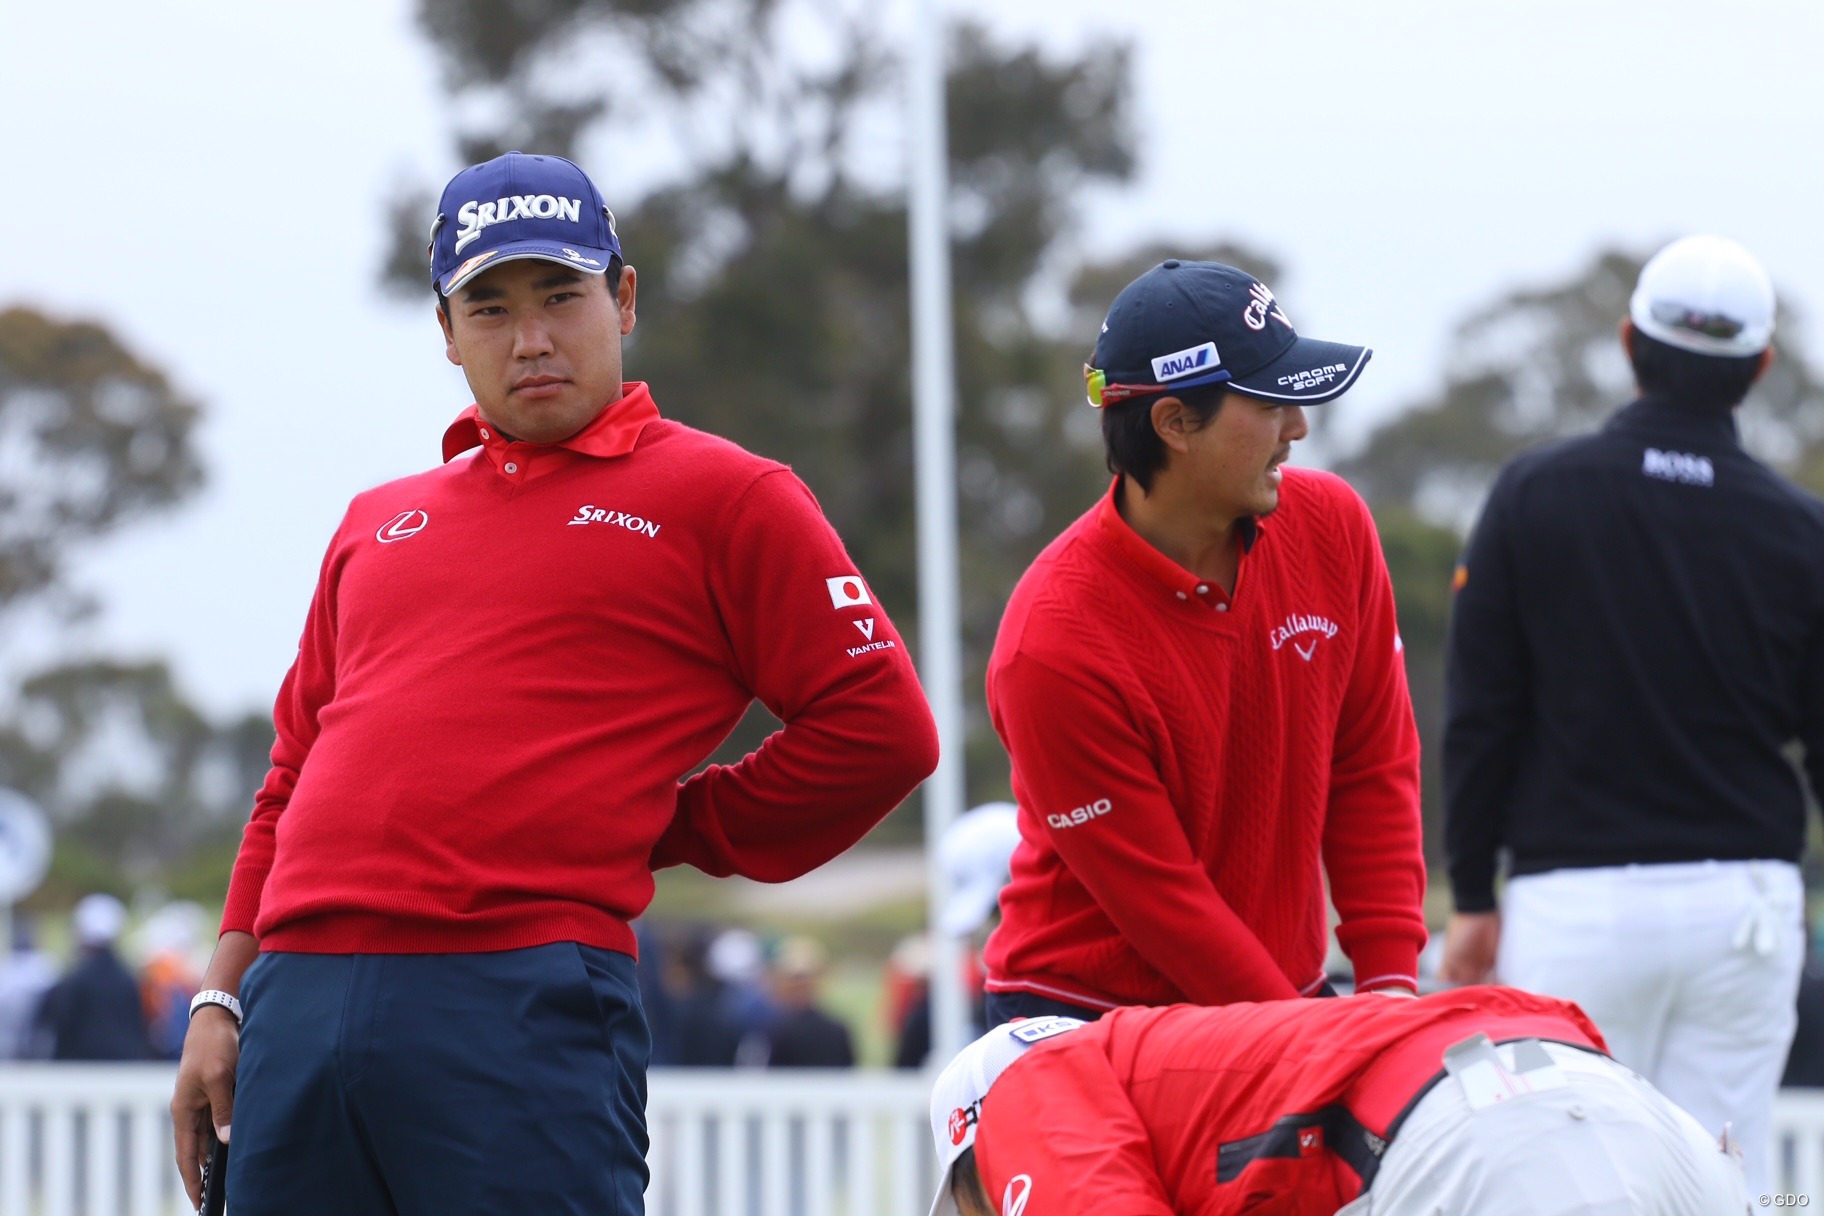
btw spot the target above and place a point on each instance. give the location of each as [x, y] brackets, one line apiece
[772, 260]
[91, 437]
[1542, 363]
[1537, 364]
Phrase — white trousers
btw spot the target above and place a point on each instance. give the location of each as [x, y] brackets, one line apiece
[1690, 970]
[1565, 1132]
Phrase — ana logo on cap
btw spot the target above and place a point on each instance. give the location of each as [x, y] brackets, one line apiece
[1182, 363]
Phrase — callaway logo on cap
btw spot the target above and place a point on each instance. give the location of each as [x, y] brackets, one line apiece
[518, 206]
[1185, 324]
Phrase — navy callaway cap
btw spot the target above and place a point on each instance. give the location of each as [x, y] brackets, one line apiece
[1183, 324]
[518, 206]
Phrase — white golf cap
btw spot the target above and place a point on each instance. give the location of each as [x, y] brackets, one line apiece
[736, 957]
[975, 852]
[98, 919]
[1705, 294]
[956, 1099]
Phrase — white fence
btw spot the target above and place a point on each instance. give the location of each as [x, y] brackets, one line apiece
[95, 1140]
[90, 1140]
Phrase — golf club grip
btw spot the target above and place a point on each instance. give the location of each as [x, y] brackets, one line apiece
[215, 1180]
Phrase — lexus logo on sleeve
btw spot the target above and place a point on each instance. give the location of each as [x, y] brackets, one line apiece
[402, 525]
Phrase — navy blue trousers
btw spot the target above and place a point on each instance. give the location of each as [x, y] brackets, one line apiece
[441, 1084]
[1006, 1006]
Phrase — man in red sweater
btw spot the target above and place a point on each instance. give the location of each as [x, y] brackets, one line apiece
[1201, 688]
[1483, 1101]
[509, 664]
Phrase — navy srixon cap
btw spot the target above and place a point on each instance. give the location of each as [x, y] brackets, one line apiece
[1183, 324]
[518, 206]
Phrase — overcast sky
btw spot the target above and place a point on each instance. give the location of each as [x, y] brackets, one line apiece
[208, 179]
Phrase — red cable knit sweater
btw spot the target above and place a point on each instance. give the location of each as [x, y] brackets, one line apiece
[512, 660]
[1189, 768]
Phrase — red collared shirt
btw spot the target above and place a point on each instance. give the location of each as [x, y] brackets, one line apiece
[1190, 766]
[514, 660]
[1169, 575]
[611, 433]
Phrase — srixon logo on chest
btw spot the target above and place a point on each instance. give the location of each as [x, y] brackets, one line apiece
[589, 513]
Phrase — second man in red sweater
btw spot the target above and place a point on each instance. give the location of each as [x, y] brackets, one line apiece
[1201, 687]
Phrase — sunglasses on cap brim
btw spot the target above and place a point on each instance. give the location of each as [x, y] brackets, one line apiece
[1102, 393]
[1709, 324]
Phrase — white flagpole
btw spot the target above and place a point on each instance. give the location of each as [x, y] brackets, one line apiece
[934, 431]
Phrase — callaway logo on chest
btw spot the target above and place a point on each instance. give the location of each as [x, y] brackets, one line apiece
[1311, 629]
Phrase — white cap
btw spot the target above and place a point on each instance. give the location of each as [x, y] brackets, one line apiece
[736, 957]
[956, 1099]
[174, 929]
[975, 853]
[98, 919]
[1705, 294]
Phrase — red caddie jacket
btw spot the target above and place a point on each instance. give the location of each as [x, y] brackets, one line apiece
[1281, 1107]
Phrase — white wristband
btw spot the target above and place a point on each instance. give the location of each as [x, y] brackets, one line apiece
[214, 996]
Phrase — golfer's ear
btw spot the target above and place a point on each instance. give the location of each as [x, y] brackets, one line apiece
[1767, 358]
[626, 296]
[449, 337]
[1173, 422]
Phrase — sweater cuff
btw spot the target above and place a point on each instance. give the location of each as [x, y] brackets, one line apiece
[240, 910]
[1385, 964]
[1473, 901]
[1472, 886]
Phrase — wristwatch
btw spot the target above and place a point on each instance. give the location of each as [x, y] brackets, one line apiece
[214, 996]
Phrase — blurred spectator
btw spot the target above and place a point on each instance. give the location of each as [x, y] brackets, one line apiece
[908, 1000]
[169, 976]
[94, 1011]
[26, 974]
[1805, 1058]
[737, 961]
[702, 1032]
[804, 1036]
[655, 1001]
[976, 856]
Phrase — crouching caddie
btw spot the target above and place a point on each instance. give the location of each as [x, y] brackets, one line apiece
[1484, 1101]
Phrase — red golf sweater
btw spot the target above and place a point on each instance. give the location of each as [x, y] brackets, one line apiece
[1282, 1107]
[1189, 767]
[511, 661]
